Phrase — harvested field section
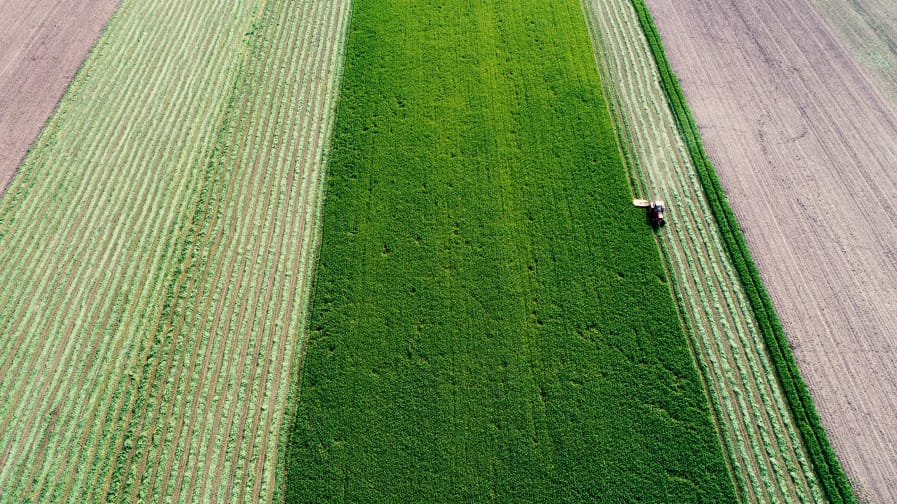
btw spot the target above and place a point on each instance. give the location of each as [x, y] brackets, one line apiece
[479, 330]
[763, 447]
[804, 146]
[42, 44]
[156, 247]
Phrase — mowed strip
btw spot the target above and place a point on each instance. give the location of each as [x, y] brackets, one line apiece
[250, 273]
[491, 320]
[763, 445]
[157, 278]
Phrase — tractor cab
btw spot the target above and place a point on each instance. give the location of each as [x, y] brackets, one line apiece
[655, 214]
[655, 210]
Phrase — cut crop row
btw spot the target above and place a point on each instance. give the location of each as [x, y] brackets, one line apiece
[236, 254]
[121, 182]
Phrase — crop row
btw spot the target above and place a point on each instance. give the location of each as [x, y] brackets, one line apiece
[257, 245]
[765, 452]
[190, 143]
[72, 229]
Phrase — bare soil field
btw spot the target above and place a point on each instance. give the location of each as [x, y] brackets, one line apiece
[42, 44]
[803, 141]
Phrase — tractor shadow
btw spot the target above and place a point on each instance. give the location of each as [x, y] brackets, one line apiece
[650, 221]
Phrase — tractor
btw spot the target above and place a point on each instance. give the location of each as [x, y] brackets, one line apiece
[655, 210]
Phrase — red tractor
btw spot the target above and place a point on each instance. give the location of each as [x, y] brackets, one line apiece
[655, 211]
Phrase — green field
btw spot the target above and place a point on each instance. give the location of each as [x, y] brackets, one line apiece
[491, 320]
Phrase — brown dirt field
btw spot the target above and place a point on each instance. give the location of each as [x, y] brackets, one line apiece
[804, 143]
[42, 44]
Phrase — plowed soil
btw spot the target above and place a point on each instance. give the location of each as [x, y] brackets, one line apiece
[42, 44]
[804, 143]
